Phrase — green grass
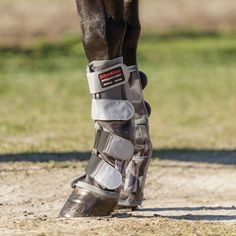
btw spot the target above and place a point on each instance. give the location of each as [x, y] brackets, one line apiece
[45, 105]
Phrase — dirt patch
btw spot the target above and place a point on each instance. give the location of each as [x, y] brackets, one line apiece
[182, 198]
[22, 21]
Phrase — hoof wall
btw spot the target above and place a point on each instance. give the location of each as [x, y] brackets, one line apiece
[84, 203]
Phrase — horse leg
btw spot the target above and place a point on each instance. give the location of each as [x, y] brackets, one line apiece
[136, 171]
[96, 193]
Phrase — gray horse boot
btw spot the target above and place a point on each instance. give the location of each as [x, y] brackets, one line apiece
[135, 175]
[97, 191]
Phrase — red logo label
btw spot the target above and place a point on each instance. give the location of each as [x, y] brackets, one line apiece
[111, 77]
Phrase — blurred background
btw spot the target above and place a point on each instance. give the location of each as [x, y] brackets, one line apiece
[23, 20]
[187, 49]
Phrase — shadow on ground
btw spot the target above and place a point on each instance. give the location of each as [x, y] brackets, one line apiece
[191, 217]
[200, 208]
[211, 156]
[153, 213]
[227, 157]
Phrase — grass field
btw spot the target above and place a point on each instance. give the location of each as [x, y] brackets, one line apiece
[45, 105]
[45, 116]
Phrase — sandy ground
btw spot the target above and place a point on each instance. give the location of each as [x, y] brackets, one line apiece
[184, 196]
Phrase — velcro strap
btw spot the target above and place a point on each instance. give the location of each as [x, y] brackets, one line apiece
[108, 78]
[103, 173]
[92, 163]
[114, 145]
[141, 121]
[133, 68]
[106, 109]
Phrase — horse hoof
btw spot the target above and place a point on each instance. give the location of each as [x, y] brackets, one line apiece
[126, 204]
[126, 208]
[87, 200]
[129, 201]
